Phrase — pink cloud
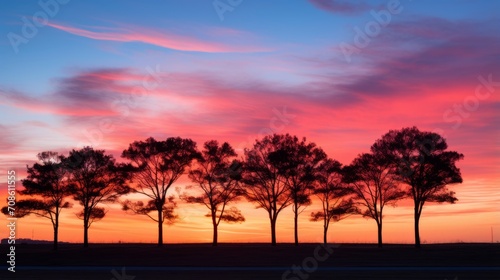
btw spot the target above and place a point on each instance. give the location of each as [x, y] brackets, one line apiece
[157, 38]
[342, 113]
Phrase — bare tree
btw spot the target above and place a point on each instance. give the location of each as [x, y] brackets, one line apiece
[421, 161]
[333, 195]
[374, 186]
[297, 162]
[47, 187]
[217, 175]
[264, 181]
[156, 165]
[95, 179]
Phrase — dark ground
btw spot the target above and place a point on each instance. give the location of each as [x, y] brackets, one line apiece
[253, 261]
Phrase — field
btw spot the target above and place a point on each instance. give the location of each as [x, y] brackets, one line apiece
[254, 261]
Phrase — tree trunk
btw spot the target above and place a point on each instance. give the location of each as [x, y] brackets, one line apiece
[325, 233]
[296, 224]
[214, 222]
[379, 227]
[56, 231]
[160, 227]
[417, 233]
[273, 231]
[85, 231]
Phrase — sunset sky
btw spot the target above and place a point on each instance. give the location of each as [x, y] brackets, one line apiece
[107, 73]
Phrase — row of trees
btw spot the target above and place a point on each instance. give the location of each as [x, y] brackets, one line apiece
[280, 170]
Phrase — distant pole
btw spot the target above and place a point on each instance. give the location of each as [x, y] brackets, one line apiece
[491, 234]
[32, 234]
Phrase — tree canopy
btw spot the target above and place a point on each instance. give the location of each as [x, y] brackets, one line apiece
[421, 161]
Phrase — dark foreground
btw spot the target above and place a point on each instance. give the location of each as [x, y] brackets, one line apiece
[254, 261]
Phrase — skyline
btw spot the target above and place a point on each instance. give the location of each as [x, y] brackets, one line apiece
[106, 75]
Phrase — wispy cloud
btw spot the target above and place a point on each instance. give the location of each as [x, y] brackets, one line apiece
[154, 37]
[342, 7]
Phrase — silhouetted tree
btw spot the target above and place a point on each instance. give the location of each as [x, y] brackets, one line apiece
[332, 193]
[96, 214]
[374, 186]
[265, 184]
[95, 178]
[47, 185]
[421, 162]
[217, 174]
[297, 163]
[168, 209]
[156, 165]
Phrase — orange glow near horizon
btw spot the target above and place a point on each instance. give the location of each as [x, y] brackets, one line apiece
[466, 221]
